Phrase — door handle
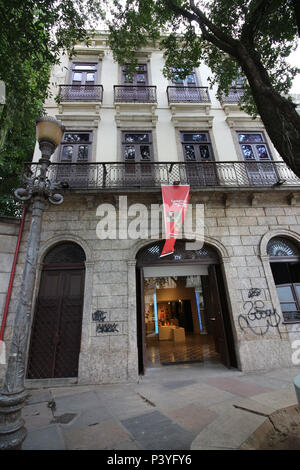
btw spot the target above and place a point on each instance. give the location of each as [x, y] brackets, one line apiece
[212, 319]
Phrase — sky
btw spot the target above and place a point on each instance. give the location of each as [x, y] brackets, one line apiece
[294, 59]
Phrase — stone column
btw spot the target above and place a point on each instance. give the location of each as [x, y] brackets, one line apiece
[132, 330]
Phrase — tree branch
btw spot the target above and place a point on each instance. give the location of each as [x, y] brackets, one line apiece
[217, 38]
[258, 9]
[296, 6]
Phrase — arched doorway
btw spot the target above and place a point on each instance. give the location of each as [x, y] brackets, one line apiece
[284, 258]
[182, 310]
[56, 328]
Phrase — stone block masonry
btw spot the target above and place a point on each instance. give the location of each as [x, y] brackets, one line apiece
[109, 347]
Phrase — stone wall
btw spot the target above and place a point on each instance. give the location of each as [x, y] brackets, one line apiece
[9, 229]
[238, 227]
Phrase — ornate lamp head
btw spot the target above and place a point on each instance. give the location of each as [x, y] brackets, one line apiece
[49, 133]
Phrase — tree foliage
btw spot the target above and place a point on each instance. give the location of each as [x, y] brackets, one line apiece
[235, 38]
[32, 35]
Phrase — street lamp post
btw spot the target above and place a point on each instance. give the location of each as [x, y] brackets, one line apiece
[38, 189]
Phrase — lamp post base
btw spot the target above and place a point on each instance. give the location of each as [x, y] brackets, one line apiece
[12, 431]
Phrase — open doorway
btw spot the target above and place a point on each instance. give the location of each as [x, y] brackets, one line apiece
[177, 321]
[182, 308]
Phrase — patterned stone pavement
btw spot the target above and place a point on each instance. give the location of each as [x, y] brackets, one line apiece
[171, 408]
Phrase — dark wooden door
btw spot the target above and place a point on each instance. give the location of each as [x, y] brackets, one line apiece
[56, 330]
[215, 317]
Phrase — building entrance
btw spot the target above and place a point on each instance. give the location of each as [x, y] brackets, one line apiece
[182, 308]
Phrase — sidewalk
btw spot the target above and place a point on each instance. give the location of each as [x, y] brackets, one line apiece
[171, 408]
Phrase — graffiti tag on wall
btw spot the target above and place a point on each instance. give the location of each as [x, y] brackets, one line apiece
[255, 312]
[99, 316]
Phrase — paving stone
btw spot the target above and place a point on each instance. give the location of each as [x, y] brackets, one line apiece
[156, 431]
[177, 384]
[144, 421]
[99, 437]
[192, 417]
[91, 417]
[278, 399]
[254, 407]
[38, 396]
[204, 394]
[75, 403]
[237, 387]
[48, 438]
[37, 416]
[229, 431]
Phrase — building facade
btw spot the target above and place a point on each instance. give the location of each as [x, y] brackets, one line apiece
[106, 309]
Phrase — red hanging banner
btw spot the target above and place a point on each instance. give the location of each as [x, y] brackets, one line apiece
[175, 200]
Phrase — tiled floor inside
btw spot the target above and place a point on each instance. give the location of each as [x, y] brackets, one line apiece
[195, 348]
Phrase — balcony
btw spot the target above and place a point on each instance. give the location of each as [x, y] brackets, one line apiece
[151, 175]
[185, 94]
[82, 93]
[234, 96]
[134, 94]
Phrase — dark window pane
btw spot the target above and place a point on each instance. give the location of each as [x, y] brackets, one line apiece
[281, 273]
[76, 138]
[291, 307]
[204, 152]
[189, 152]
[262, 151]
[285, 293]
[250, 137]
[137, 138]
[248, 152]
[141, 78]
[83, 152]
[145, 152]
[129, 152]
[197, 137]
[67, 153]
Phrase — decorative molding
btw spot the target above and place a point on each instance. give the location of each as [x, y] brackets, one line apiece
[184, 121]
[256, 199]
[244, 122]
[130, 120]
[176, 108]
[293, 199]
[89, 51]
[82, 120]
[90, 201]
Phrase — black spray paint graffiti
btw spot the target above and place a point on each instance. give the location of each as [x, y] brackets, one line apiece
[107, 328]
[256, 312]
[254, 292]
[101, 327]
[99, 315]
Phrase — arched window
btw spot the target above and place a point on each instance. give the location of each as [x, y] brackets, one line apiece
[65, 253]
[151, 254]
[285, 265]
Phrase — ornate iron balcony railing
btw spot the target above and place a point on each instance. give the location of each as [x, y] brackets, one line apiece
[188, 94]
[134, 94]
[126, 176]
[234, 95]
[80, 93]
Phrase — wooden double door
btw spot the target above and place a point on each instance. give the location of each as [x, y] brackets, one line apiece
[56, 329]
